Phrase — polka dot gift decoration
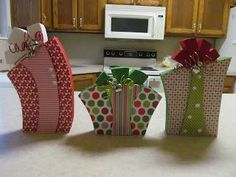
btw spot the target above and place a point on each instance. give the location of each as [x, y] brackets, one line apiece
[43, 80]
[123, 108]
[193, 90]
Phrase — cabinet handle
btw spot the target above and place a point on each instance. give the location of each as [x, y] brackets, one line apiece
[80, 22]
[194, 27]
[199, 27]
[74, 22]
[44, 18]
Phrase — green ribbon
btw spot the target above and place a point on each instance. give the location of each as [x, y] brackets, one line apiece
[194, 121]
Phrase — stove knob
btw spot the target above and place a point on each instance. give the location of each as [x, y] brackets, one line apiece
[107, 53]
[148, 55]
[153, 55]
[113, 53]
[140, 54]
[121, 54]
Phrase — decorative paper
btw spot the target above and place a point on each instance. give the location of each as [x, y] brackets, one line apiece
[121, 111]
[193, 91]
[43, 79]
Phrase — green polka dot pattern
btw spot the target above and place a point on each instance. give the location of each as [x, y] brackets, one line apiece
[100, 108]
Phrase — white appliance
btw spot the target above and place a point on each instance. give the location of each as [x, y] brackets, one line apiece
[134, 22]
[144, 60]
[227, 46]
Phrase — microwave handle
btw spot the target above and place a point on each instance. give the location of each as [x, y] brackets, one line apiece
[154, 26]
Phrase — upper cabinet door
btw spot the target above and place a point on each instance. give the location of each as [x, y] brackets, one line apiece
[91, 15]
[182, 16]
[65, 14]
[46, 13]
[25, 12]
[213, 17]
[121, 1]
[149, 2]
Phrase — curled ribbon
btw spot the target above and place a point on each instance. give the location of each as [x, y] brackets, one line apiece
[30, 44]
[24, 43]
[194, 53]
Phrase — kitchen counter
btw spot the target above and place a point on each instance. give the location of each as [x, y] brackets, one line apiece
[85, 69]
[83, 154]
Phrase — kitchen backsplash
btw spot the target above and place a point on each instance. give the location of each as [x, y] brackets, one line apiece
[88, 48]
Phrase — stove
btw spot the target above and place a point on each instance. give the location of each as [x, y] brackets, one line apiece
[144, 60]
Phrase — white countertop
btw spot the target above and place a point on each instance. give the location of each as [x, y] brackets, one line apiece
[85, 69]
[83, 154]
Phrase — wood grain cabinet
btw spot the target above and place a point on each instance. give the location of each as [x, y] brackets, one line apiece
[65, 14]
[197, 17]
[137, 2]
[91, 15]
[120, 1]
[82, 81]
[46, 13]
[25, 12]
[229, 84]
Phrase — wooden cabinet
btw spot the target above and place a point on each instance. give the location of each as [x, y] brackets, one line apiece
[138, 2]
[181, 16]
[65, 14]
[25, 12]
[82, 81]
[232, 3]
[149, 2]
[91, 15]
[229, 84]
[120, 1]
[197, 17]
[46, 13]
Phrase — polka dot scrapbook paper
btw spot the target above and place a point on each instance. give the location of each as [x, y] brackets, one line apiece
[44, 84]
[126, 113]
[193, 95]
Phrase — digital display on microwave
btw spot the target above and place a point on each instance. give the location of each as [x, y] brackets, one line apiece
[129, 25]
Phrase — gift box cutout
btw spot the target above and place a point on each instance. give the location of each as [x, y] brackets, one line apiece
[120, 109]
[193, 91]
[43, 80]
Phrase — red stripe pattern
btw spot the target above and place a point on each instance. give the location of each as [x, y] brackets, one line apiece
[65, 84]
[43, 72]
[45, 87]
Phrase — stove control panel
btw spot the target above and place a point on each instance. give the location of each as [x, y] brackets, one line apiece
[124, 53]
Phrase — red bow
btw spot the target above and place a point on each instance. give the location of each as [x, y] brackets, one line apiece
[194, 52]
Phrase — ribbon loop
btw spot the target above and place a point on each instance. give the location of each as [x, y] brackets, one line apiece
[195, 53]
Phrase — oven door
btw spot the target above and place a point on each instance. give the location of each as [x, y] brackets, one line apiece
[130, 26]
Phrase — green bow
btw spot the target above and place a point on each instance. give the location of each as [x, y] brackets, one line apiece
[121, 76]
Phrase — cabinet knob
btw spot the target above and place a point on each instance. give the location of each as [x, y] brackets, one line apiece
[194, 27]
[44, 18]
[80, 22]
[74, 22]
[199, 27]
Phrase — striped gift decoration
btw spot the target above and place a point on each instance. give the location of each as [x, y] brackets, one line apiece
[126, 113]
[45, 87]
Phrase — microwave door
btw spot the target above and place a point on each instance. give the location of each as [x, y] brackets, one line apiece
[132, 27]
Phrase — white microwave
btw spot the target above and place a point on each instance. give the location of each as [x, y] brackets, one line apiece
[134, 22]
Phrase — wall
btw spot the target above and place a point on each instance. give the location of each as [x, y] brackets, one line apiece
[227, 46]
[4, 18]
[88, 48]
